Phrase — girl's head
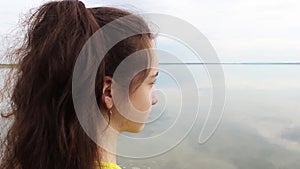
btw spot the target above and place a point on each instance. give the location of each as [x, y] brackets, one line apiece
[141, 87]
[45, 125]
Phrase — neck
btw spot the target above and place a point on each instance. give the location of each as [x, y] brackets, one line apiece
[108, 149]
[108, 144]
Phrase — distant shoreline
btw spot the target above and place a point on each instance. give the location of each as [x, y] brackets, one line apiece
[8, 65]
[235, 63]
[195, 63]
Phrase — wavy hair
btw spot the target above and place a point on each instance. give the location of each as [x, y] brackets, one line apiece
[45, 132]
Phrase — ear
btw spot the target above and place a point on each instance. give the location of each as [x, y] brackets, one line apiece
[107, 92]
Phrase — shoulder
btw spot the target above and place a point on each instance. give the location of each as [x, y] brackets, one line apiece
[107, 165]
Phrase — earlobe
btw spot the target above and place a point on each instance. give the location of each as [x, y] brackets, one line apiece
[107, 92]
[108, 102]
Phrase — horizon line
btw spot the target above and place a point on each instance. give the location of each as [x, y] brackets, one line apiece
[230, 63]
[199, 63]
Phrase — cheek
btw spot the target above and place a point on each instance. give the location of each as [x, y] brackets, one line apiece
[141, 99]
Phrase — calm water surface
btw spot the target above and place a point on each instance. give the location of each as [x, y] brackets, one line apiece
[260, 127]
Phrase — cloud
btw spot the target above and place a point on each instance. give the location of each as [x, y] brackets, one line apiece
[292, 134]
[257, 30]
[272, 114]
[239, 30]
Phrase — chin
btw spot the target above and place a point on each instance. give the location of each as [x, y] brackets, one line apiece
[136, 128]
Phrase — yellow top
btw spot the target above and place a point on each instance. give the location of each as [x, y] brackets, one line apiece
[108, 165]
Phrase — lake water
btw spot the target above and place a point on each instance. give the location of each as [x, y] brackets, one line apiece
[260, 127]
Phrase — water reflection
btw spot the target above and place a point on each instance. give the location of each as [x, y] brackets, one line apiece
[260, 128]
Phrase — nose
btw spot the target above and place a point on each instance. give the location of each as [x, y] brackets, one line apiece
[154, 98]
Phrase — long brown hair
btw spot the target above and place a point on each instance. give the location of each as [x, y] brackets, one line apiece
[45, 132]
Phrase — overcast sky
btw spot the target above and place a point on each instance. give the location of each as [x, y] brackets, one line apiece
[239, 30]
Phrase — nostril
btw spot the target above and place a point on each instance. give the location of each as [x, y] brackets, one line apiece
[154, 101]
[154, 98]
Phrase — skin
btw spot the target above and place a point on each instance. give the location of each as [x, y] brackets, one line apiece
[142, 100]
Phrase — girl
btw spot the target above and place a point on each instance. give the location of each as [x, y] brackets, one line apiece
[46, 133]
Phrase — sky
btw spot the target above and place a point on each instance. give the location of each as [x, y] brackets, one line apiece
[239, 30]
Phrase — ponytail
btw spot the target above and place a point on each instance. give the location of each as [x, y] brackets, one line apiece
[45, 133]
